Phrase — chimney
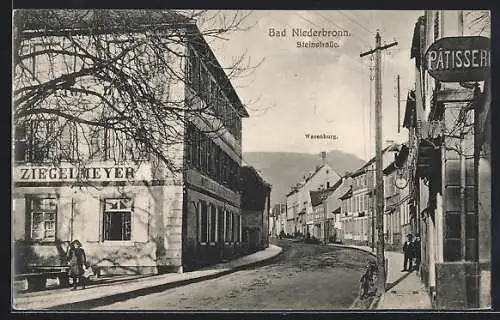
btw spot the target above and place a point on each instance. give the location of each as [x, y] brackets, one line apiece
[323, 156]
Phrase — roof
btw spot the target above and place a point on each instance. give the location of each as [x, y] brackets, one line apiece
[370, 162]
[317, 194]
[316, 197]
[336, 185]
[94, 20]
[389, 169]
[400, 159]
[315, 171]
[347, 194]
[34, 22]
[253, 171]
[336, 210]
[294, 190]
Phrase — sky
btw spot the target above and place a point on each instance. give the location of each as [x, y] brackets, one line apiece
[299, 91]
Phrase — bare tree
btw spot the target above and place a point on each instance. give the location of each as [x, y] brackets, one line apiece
[84, 78]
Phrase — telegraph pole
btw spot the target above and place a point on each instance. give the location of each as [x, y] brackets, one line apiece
[379, 191]
[372, 203]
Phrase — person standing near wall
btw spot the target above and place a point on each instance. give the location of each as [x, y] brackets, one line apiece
[408, 254]
[416, 252]
[76, 260]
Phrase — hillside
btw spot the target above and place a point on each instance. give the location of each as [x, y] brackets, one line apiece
[284, 169]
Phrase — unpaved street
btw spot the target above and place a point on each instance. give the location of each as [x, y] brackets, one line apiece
[307, 276]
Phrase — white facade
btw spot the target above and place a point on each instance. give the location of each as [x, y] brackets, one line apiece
[299, 202]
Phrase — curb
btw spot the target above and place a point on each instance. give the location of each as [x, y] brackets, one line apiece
[355, 248]
[122, 296]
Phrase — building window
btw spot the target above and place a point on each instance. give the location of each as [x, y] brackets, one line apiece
[213, 224]
[220, 224]
[205, 84]
[35, 141]
[117, 219]
[236, 229]
[229, 226]
[100, 142]
[42, 65]
[190, 65]
[213, 96]
[194, 69]
[42, 217]
[203, 222]
[21, 143]
[69, 141]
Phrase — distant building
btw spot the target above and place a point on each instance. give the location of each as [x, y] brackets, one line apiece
[397, 200]
[277, 219]
[334, 205]
[255, 205]
[299, 200]
[358, 214]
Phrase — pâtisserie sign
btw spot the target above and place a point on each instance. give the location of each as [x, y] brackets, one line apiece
[457, 59]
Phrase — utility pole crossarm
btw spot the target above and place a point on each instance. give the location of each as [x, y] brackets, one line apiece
[378, 48]
[367, 53]
[387, 46]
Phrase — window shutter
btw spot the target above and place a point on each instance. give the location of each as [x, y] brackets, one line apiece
[140, 218]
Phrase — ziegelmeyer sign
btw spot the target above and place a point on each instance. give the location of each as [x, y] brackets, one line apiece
[102, 172]
[457, 59]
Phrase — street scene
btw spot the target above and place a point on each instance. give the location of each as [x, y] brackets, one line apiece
[184, 160]
[303, 278]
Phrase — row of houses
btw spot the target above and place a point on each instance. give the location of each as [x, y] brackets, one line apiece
[338, 208]
[144, 216]
[436, 185]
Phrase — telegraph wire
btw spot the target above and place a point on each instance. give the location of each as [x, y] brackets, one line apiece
[330, 21]
[355, 21]
[314, 24]
[359, 64]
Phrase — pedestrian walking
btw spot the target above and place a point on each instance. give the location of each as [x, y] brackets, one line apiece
[408, 254]
[77, 261]
[416, 251]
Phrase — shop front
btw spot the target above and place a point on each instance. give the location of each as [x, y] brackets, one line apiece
[213, 230]
[117, 213]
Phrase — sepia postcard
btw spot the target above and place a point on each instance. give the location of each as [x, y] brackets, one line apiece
[194, 160]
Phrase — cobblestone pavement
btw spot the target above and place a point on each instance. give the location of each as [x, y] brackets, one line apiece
[308, 276]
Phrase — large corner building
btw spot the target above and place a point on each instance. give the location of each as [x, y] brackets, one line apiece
[136, 217]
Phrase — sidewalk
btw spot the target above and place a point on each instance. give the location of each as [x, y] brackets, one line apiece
[127, 287]
[404, 290]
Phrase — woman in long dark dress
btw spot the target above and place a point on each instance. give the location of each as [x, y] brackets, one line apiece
[76, 260]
